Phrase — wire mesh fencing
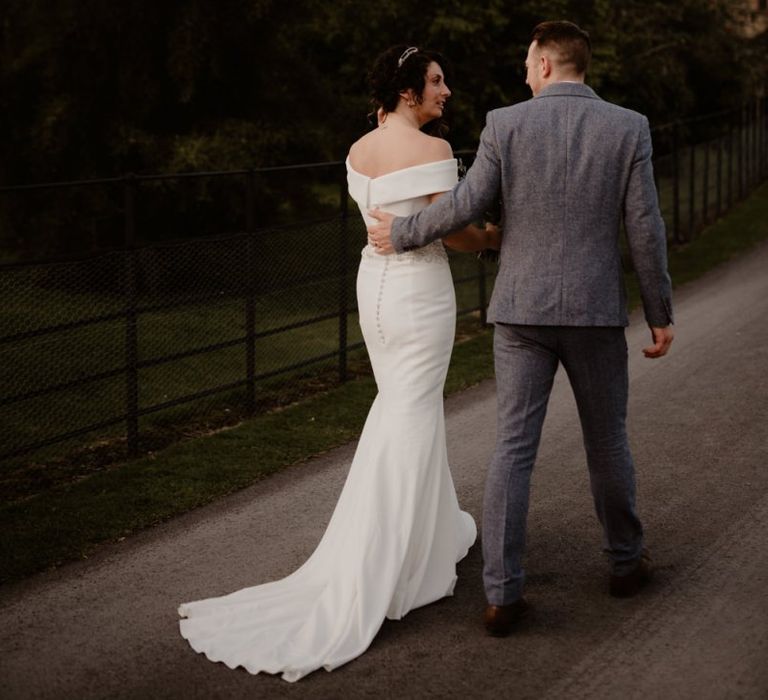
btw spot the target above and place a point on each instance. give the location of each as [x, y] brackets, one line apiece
[111, 347]
[101, 346]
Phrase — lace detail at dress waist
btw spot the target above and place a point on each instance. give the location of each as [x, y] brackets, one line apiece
[433, 253]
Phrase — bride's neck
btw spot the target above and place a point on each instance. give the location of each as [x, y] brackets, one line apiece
[403, 116]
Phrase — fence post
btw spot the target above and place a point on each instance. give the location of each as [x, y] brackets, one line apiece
[719, 189]
[764, 121]
[756, 142]
[761, 137]
[131, 318]
[747, 148]
[705, 186]
[250, 293]
[675, 186]
[750, 146]
[691, 190]
[745, 129]
[740, 152]
[755, 116]
[729, 202]
[343, 277]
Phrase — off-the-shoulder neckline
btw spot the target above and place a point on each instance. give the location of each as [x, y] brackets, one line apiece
[399, 170]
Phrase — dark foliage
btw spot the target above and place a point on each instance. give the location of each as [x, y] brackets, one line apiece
[93, 89]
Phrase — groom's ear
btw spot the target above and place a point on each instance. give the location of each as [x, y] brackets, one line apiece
[546, 65]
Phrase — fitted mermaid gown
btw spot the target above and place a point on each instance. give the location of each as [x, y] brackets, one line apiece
[397, 531]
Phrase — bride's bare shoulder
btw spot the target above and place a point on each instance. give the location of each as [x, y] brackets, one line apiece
[418, 145]
[378, 152]
[365, 142]
[438, 148]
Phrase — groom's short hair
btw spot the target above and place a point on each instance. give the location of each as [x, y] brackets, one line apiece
[571, 42]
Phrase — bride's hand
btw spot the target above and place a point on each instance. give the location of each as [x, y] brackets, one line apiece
[493, 234]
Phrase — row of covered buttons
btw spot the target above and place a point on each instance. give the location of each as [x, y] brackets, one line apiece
[378, 301]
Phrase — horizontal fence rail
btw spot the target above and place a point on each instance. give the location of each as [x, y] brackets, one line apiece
[91, 343]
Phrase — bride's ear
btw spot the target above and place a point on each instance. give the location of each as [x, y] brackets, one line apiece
[409, 97]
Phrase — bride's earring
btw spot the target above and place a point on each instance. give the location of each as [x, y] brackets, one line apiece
[408, 99]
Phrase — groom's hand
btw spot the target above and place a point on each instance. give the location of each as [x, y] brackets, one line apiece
[662, 339]
[379, 234]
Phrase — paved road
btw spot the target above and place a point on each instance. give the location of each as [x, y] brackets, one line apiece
[107, 627]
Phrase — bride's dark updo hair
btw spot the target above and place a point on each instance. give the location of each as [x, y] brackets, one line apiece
[387, 80]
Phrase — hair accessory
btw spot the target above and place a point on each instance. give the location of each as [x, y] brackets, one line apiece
[408, 52]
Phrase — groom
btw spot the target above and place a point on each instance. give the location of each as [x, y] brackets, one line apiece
[568, 169]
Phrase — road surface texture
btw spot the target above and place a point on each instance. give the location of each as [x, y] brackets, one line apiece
[107, 627]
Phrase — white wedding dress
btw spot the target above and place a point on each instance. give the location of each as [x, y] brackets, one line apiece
[397, 531]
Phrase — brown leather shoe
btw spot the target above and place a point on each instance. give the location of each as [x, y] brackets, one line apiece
[631, 584]
[501, 619]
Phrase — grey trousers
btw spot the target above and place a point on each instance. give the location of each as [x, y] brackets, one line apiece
[526, 359]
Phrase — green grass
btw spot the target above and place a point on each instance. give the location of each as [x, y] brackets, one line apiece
[742, 228]
[68, 520]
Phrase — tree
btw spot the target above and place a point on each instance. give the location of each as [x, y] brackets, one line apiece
[95, 89]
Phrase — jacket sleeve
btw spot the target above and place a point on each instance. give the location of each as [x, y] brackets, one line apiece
[465, 203]
[646, 234]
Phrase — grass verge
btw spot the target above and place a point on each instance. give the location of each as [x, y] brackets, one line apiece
[69, 520]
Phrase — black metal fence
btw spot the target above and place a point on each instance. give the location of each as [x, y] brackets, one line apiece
[706, 164]
[106, 344]
[102, 344]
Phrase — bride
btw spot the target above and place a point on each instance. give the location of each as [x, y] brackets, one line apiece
[397, 531]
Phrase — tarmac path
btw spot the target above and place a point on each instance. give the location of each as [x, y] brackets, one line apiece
[107, 626]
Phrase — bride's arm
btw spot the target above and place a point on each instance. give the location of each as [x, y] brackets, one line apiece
[472, 238]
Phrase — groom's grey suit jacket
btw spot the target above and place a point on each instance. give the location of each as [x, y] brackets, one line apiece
[568, 167]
